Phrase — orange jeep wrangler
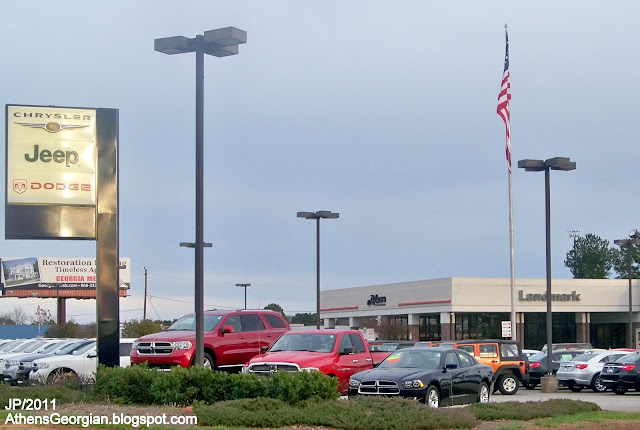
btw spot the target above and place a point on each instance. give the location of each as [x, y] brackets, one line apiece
[510, 365]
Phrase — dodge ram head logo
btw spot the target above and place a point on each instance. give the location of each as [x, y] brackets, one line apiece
[51, 127]
[19, 185]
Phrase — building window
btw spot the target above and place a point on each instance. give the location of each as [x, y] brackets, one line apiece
[608, 335]
[535, 328]
[430, 327]
[480, 326]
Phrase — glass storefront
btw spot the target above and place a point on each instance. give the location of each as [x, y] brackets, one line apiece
[430, 327]
[480, 326]
[535, 328]
[608, 335]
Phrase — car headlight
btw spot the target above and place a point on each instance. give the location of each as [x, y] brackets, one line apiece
[12, 362]
[181, 344]
[309, 369]
[134, 345]
[414, 383]
[354, 383]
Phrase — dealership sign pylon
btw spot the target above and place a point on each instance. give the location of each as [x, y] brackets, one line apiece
[62, 183]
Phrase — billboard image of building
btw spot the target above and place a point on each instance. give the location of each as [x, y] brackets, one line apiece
[56, 277]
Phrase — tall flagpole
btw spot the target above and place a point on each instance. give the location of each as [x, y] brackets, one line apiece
[504, 110]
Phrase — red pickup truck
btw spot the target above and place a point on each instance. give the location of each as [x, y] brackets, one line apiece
[337, 353]
[230, 339]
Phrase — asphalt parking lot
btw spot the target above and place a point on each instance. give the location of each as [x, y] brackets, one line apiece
[629, 402]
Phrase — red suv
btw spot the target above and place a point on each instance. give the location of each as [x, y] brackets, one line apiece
[231, 338]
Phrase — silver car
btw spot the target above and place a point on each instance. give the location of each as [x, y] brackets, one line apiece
[584, 370]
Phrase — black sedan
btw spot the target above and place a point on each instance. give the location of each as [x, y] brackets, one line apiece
[538, 365]
[435, 376]
[622, 374]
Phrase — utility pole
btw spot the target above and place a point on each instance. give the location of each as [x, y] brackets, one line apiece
[144, 312]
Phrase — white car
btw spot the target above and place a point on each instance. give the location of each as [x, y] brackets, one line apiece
[81, 362]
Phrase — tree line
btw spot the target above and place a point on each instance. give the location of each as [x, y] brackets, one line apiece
[593, 258]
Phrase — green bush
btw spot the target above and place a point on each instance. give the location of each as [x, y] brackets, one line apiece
[530, 410]
[139, 384]
[358, 414]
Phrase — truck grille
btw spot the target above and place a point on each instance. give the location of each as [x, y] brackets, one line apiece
[269, 368]
[154, 348]
[385, 388]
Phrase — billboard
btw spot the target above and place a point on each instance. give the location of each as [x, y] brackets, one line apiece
[55, 277]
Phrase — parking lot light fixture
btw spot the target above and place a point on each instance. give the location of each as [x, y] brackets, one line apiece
[245, 292]
[634, 239]
[221, 42]
[557, 163]
[317, 216]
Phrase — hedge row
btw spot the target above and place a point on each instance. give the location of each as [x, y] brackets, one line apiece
[139, 384]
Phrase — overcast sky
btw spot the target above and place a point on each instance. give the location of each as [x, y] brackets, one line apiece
[382, 111]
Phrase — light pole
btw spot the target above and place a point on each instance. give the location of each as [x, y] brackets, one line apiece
[634, 239]
[219, 43]
[245, 292]
[557, 163]
[317, 216]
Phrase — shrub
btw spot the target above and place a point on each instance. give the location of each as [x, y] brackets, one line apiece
[530, 410]
[359, 414]
[138, 384]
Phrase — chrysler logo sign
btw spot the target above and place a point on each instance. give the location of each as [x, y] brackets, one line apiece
[52, 127]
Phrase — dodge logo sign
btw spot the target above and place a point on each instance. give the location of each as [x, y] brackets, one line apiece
[19, 185]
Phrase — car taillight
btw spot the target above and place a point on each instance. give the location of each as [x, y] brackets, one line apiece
[581, 366]
[534, 365]
[628, 367]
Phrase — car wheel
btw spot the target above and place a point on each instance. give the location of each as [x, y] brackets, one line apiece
[508, 384]
[209, 362]
[60, 377]
[597, 386]
[432, 398]
[620, 390]
[529, 385]
[483, 393]
[575, 388]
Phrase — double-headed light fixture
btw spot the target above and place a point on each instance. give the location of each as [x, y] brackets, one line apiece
[219, 43]
[557, 163]
[634, 239]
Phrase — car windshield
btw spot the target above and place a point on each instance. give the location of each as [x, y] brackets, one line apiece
[34, 346]
[585, 357]
[83, 349]
[408, 358]
[312, 342]
[188, 322]
[629, 358]
[49, 347]
[70, 347]
[22, 347]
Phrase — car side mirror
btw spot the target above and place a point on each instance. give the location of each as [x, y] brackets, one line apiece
[93, 354]
[227, 329]
[264, 349]
[450, 366]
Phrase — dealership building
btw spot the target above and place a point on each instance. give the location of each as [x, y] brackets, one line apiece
[584, 310]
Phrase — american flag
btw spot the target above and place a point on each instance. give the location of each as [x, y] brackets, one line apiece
[504, 98]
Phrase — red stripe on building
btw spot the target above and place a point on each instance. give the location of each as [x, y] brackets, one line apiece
[428, 302]
[339, 309]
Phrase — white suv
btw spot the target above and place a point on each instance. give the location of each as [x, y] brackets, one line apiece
[81, 363]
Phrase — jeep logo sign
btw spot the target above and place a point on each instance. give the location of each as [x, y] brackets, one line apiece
[376, 300]
[51, 155]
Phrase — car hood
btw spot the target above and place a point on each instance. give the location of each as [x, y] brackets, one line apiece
[302, 358]
[28, 357]
[170, 336]
[396, 374]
